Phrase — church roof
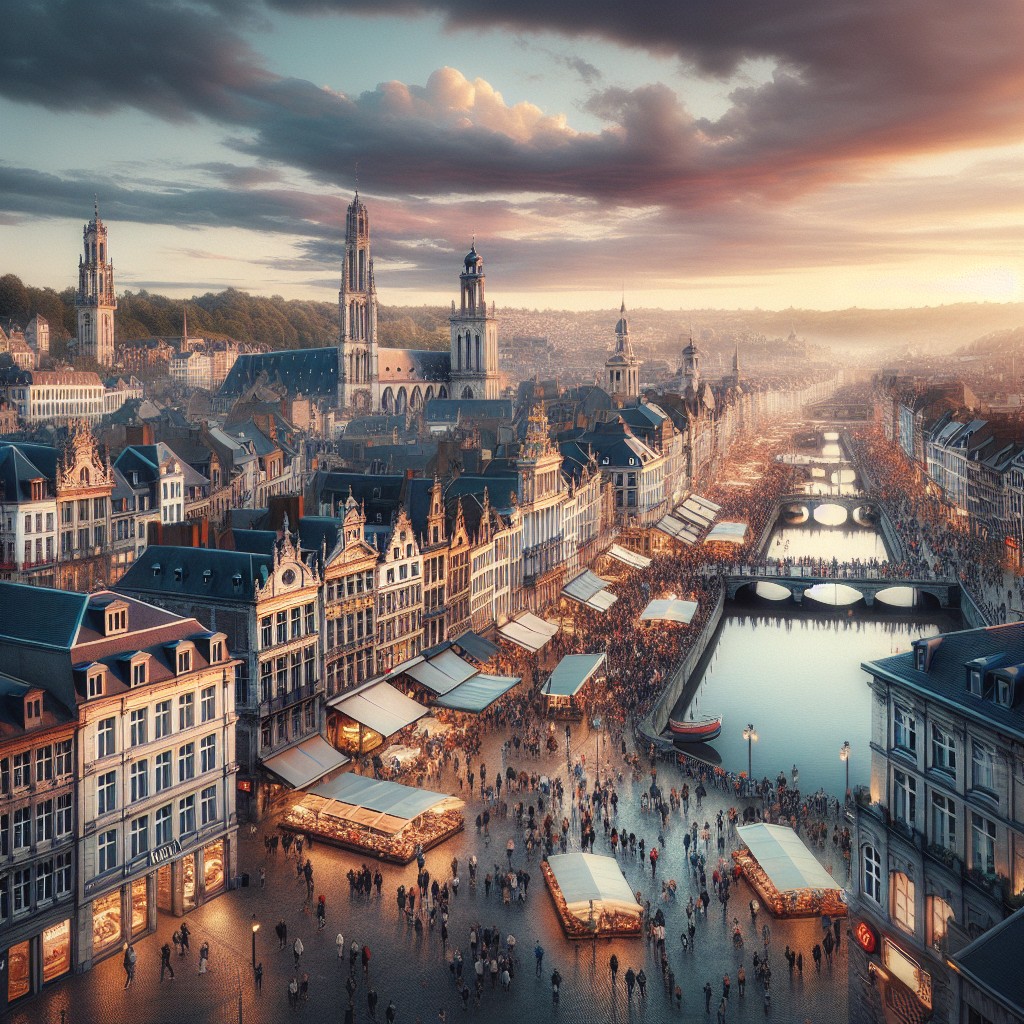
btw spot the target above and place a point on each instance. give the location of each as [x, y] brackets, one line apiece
[312, 372]
[409, 365]
[454, 410]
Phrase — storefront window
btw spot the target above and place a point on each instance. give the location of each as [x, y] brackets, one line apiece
[188, 872]
[140, 906]
[56, 951]
[213, 867]
[18, 974]
[163, 889]
[106, 922]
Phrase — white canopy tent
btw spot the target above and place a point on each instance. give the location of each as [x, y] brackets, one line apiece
[709, 505]
[529, 631]
[380, 707]
[677, 529]
[305, 763]
[782, 856]
[631, 558]
[670, 610]
[593, 889]
[477, 694]
[727, 533]
[375, 803]
[572, 673]
[591, 590]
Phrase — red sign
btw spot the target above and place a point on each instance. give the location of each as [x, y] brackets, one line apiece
[244, 785]
[866, 937]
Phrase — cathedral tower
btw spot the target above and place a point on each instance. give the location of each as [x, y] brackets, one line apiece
[95, 302]
[357, 309]
[691, 366]
[474, 372]
[622, 370]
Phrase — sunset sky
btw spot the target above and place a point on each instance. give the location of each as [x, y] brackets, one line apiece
[693, 154]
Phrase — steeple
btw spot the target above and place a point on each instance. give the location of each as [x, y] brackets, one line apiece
[357, 315]
[94, 301]
[474, 334]
[622, 368]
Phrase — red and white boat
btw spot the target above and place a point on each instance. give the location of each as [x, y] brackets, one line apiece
[698, 730]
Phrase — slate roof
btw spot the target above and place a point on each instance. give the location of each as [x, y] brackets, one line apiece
[312, 372]
[455, 410]
[614, 444]
[985, 962]
[141, 578]
[12, 709]
[43, 457]
[40, 616]
[946, 676]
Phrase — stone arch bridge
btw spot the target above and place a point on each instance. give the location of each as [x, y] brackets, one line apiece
[798, 579]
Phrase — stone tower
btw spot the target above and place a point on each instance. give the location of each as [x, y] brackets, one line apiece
[474, 372]
[691, 366]
[95, 302]
[357, 314]
[622, 369]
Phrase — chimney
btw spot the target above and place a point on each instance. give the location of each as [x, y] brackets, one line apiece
[280, 504]
[138, 434]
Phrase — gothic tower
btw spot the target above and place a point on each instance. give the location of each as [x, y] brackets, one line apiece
[474, 372]
[691, 366]
[622, 370]
[357, 314]
[95, 300]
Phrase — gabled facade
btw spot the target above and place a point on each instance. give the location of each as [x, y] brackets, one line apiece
[399, 594]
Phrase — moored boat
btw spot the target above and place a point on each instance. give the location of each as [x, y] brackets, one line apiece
[698, 730]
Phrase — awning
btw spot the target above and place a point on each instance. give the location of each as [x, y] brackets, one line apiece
[375, 803]
[441, 673]
[697, 516]
[572, 673]
[782, 856]
[476, 695]
[582, 877]
[476, 646]
[727, 533]
[305, 763]
[379, 707]
[709, 505]
[670, 610]
[631, 558]
[677, 529]
[588, 588]
[529, 631]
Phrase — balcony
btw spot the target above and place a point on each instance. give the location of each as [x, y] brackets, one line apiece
[287, 699]
[947, 858]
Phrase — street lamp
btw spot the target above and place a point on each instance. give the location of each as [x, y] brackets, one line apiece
[750, 735]
[844, 756]
[255, 929]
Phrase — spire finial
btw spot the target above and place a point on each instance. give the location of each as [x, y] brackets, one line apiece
[357, 179]
[96, 205]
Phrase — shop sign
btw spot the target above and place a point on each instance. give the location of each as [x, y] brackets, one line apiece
[165, 852]
[866, 937]
[245, 785]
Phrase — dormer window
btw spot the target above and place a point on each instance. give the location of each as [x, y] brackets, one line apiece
[156, 568]
[207, 576]
[236, 581]
[919, 657]
[216, 651]
[115, 619]
[184, 662]
[178, 574]
[1002, 692]
[33, 710]
[975, 680]
[94, 683]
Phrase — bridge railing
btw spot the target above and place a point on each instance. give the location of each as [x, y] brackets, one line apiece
[828, 572]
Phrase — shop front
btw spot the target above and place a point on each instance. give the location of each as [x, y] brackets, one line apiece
[29, 963]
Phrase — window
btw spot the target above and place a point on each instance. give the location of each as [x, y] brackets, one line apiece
[22, 890]
[106, 793]
[44, 881]
[44, 821]
[943, 751]
[44, 764]
[162, 771]
[266, 632]
[904, 729]
[266, 680]
[216, 652]
[983, 844]
[187, 815]
[943, 822]
[62, 758]
[209, 805]
[162, 720]
[162, 831]
[903, 901]
[106, 850]
[62, 874]
[140, 780]
[94, 687]
[22, 769]
[186, 710]
[310, 616]
[62, 815]
[904, 793]
[186, 762]
[208, 753]
[296, 623]
[22, 828]
[139, 731]
[983, 766]
[105, 737]
[940, 913]
[138, 673]
[140, 835]
[208, 704]
[184, 662]
[281, 623]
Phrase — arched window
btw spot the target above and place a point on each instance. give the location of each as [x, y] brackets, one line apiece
[902, 899]
[872, 880]
[467, 392]
[83, 477]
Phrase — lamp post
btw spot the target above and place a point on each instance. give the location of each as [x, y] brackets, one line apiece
[750, 735]
[255, 929]
[844, 756]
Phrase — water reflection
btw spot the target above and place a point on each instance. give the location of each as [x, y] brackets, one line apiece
[828, 542]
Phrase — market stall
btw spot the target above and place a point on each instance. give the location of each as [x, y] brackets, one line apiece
[727, 533]
[591, 896]
[563, 687]
[590, 590]
[363, 719]
[631, 558]
[478, 693]
[670, 610]
[305, 763]
[529, 631]
[384, 819]
[477, 647]
[788, 878]
[678, 529]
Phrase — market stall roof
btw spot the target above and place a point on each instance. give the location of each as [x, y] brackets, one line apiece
[709, 505]
[379, 706]
[727, 533]
[583, 877]
[589, 589]
[572, 673]
[690, 508]
[670, 610]
[784, 859]
[631, 558]
[476, 646]
[376, 803]
[529, 631]
[476, 695]
[305, 763]
[678, 529]
[441, 672]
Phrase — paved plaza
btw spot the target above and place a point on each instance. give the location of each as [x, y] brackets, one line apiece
[412, 970]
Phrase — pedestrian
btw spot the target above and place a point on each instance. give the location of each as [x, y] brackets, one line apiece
[259, 976]
[538, 955]
[129, 964]
[630, 983]
[204, 957]
[741, 979]
[641, 983]
[282, 933]
[365, 956]
[800, 964]
[165, 961]
[707, 996]
[339, 942]
[679, 997]
[263, 878]
[556, 985]
[298, 949]
[321, 912]
[613, 966]
[390, 1013]
[185, 933]
[721, 1010]
[726, 985]
[371, 1002]
[293, 992]
[304, 987]
[816, 953]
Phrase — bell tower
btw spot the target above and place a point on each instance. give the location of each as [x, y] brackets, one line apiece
[94, 301]
[622, 369]
[357, 316]
[474, 372]
[691, 366]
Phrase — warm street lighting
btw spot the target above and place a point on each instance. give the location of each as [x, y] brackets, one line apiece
[750, 735]
[255, 929]
[844, 756]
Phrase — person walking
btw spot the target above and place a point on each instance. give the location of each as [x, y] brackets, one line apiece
[321, 912]
[185, 934]
[129, 964]
[816, 953]
[298, 949]
[538, 955]
[390, 1013]
[282, 933]
[726, 985]
[641, 983]
[613, 966]
[630, 983]
[293, 992]
[741, 980]
[165, 961]
[259, 976]
[708, 992]
[204, 957]
[556, 985]
[371, 1002]
[339, 942]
